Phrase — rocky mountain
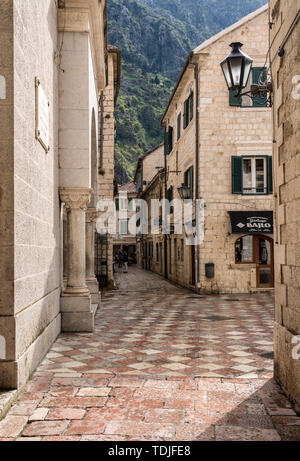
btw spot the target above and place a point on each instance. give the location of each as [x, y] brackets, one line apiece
[155, 37]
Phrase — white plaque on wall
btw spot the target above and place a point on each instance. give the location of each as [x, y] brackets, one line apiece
[42, 116]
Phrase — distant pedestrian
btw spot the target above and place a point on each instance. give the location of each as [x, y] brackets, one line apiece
[120, 258]
[125, 260]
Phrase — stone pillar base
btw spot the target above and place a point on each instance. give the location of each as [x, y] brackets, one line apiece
[77, 314]
[93, 286]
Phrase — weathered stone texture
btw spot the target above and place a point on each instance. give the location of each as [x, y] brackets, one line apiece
[30, 229]
[287, 174]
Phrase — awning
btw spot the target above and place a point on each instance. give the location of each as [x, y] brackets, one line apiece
[251, 222]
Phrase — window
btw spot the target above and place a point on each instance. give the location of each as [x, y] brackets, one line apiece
[169, 140]
[189, 180]
[252, 175]
[122, 204]
[182, 250]
[169, 197]
[124, 227]
[157, 253]
[178, 126]
[244, 250]
[258, 75]
[130, 204]
[188, 110]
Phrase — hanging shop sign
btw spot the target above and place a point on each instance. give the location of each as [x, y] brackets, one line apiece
[251, 222]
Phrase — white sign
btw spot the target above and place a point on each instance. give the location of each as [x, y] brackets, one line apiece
[42, 116]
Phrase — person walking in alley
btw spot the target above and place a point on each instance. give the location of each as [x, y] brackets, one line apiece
[125, 260]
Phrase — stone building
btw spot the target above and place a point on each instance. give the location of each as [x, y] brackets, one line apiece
[107, 182]
[125, 237]
[220, 147]
[53, 68]
[285, 52]
[148, 166]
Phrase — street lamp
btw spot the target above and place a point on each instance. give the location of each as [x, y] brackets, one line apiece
[184, 192]
[236, 68]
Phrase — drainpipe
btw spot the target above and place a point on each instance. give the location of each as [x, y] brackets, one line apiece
[197, 136]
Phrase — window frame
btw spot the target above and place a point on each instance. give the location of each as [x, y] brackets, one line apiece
[253, 159]
[237, 176]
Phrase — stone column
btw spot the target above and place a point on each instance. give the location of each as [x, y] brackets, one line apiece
[91, 281]
[76, 308]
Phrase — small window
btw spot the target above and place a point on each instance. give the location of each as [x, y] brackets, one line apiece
[182, 250]
[252, 175]
[157, 252]
[122, 204]
[257, 76]
[244, 250]
[124, 227]
[179, 126]
[188, 110]
[189, 180]
[130, 204]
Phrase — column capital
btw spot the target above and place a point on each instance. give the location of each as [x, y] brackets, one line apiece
[91, 215]
[75, 198]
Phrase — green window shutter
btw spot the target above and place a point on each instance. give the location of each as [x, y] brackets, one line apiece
[166, 143]
[192, 181]
[186, 178]
[259, 73]
[237, 175]
[178, 126]
[170, 141]
[270, 174]
[117, 204]
[186, 113]
[233, 100]
[191, 106]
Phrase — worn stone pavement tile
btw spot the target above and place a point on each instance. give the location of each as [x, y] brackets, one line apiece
[104, 398]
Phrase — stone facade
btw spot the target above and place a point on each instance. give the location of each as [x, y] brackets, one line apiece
[58, 48]
[285, 34]
[126, 210]
[216, 132]
[107, 126]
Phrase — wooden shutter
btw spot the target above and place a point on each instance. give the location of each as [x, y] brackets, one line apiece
[270, 174]
[186, 113]
[117, 204]
[233, 100]
[191, 106]
[170, 139]
[178, 126]
[166, 143]
[237, 175]
[259, 73]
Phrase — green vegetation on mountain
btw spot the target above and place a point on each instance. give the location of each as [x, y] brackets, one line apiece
[155, 37]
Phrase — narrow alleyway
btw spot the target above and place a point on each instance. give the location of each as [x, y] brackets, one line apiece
[162, 364]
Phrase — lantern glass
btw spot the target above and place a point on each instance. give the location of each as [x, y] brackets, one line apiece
[236, 68]
[226, 73]
[184, 192]
[247, 70]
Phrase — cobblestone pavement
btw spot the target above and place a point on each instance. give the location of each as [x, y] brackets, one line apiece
[162, 364]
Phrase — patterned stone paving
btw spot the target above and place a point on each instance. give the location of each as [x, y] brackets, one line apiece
[162, 364]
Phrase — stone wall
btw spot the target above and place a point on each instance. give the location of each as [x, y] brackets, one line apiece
[107, 161]
[30, 289]
[224, 131]
[286, 78]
